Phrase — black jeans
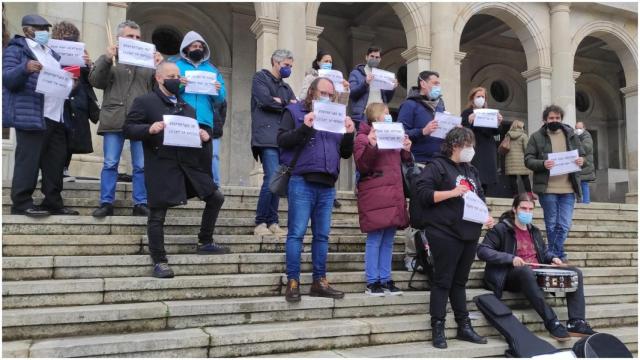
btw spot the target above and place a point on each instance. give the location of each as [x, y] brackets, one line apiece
[452, 262]
[522, 279]
[513, 182]
[155, 224]
[39, 150]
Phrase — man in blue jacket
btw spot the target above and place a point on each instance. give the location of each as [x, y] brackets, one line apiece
[195, 53]
[37, 118]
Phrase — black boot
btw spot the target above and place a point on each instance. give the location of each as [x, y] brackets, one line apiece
[466, 332]
[438, 338]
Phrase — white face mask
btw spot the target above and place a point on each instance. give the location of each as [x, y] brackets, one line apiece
[478, 102]
[579, 131]
[467, 154]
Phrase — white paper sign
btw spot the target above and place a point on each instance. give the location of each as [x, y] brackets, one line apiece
[383, 80]
[335, 76]
[137, 53]
[475, 210]
[561, 355]
[54, 82]
[389, 135]
[181, 131]
[201, 82]
[486, 118]
[329, 117]
[446, 122]
[565, 163]
[70, 52]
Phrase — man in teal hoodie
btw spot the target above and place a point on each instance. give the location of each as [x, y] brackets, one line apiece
[195, 54]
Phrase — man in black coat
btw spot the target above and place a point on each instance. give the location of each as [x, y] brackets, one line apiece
[172, 173]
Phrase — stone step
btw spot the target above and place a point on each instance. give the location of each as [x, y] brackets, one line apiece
[29, 323]
[84, 267]
[60, 292]
[326, 334]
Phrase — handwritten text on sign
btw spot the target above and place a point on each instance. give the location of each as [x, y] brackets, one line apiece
[181, 131]
[383, 80]
[446, 122]
[70, 52]
[565, 162]
[335, 76]
[54, 82]
[389, 135]
[137, 53]
[475, 210]
[329, 117]
[201, 82]
[486, 118]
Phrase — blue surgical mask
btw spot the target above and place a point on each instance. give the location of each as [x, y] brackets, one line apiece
[435, 92]
[324, 99]
[285, 72]
[326, 66]
[41, 37]
[525, 218]
[388, 118]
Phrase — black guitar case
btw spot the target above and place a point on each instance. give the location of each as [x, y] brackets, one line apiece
[601, 345]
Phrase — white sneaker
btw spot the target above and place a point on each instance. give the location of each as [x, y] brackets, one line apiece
[277, 230]
[408, 263]
[261, 230]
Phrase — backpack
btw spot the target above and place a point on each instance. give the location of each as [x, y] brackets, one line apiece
[423, 262]
[601, 345]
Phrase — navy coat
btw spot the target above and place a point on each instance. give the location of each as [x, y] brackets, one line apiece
[360, 93]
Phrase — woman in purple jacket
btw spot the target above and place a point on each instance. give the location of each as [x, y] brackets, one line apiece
[381, 202]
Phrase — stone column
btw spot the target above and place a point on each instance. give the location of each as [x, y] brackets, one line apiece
[538, 95]
[312, 45]
[292, 36]
[631, 115]
[562, 82]
[418, 59]
[458, 56]
[443, 53]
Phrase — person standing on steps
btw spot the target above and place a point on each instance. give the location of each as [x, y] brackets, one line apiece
[588, 173]
[514, 160]
[173, 173]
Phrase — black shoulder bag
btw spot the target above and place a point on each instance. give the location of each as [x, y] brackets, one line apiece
[279, 184]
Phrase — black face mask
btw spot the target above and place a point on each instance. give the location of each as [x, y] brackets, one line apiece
[554, 126]
[196, 55]
[172, 85]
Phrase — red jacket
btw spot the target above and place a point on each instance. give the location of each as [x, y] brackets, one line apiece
[381, 201]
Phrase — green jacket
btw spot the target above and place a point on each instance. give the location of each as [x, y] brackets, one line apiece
[588, 172]
[538, 148]
[121, 84]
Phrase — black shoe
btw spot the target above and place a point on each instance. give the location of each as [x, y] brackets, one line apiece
[125, 178]
[336, 204]
[64, 211]
[390, 288]
[34, 211]
[466, 332]
[162, 270]
[140, 210]
[212, 249]
[293, 291]
[105, 209]
[579, 328]
[374, 289]
[557, 331]
[438, 338]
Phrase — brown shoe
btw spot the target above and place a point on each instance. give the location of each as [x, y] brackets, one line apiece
[293, 291]
[321, 288]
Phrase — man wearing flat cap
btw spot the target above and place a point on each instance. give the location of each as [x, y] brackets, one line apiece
[37, 118]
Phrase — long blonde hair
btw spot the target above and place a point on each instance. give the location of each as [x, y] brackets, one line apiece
[517, 124]
[472, 94]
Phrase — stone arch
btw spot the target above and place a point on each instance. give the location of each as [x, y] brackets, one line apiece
[339, 62]
[183, 17]
[517, 99]
[600, 87]
[618, 39]
[312, 13]
[266, 9]
[520, 21]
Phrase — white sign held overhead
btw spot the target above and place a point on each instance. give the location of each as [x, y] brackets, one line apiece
[137, 53]
[70, 52]
[329, 117]
[383, 80]
[54, 82]
[181, 131]
[475, 210]
[446, 122]
[389, 135]
[486, 118]
[201, 82]
[565, 163]
[335, 76]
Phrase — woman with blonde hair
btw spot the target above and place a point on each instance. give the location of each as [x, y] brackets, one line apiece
[514, 160]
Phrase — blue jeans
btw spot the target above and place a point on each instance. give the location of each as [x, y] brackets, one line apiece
[215, 162]
[112, 148]
[377, 255]
[558, 215]
[586, 195]
[267, 210]
[308, 201]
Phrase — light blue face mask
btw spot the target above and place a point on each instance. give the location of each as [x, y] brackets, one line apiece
[388, 118]
[525, 218]
[326, 66]
[435, 92]
[324, 99]
[41, 37]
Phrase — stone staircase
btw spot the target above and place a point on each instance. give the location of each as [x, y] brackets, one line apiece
[81, 287]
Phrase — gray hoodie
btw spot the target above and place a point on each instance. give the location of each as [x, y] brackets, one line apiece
[188, 40]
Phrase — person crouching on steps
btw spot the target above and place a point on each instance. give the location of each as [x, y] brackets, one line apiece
[382, 207]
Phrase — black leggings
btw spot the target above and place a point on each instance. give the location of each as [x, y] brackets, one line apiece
[452, 263]
[513, 181]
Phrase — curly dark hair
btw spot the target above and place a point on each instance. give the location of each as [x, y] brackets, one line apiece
[457, 137]
[510, 214]
[65, 29]
[552, 108]
[319, 57]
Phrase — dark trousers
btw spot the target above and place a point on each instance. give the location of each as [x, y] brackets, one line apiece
[452, 263]
[155, 226]
[522, 279]
[513, 182]
[39, 150]
[68, 161]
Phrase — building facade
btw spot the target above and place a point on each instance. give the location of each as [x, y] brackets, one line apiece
[581, 56]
